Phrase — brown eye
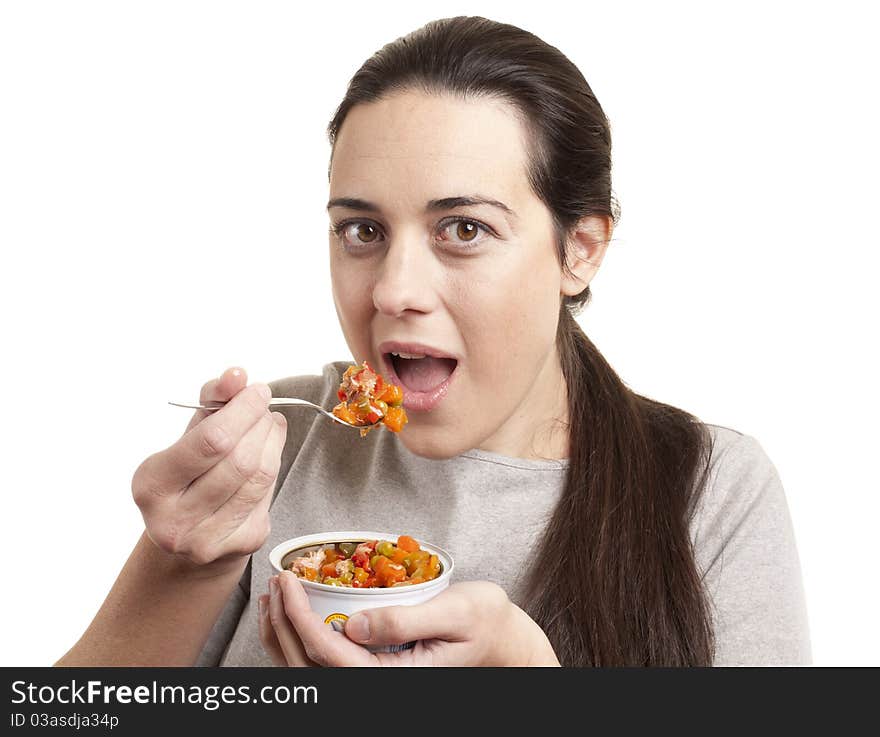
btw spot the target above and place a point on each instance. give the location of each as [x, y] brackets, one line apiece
[466, 231]
[463, 233]
[366, 233]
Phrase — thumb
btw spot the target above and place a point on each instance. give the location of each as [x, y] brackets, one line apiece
[444, 617]
[230, 383]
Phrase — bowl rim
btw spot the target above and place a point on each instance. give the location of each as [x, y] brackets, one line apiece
[277, 554]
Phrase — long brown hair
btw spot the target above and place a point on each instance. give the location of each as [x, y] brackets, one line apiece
[615, 581]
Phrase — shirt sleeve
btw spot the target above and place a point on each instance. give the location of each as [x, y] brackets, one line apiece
[745, 549]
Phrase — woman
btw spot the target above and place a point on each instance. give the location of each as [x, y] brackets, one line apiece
[470, 206]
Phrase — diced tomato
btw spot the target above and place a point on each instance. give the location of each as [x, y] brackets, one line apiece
[399, 555]
[341, 395]
[310, 574]
[362, 560]
[405, 542]
[380, 386]
[328, 569]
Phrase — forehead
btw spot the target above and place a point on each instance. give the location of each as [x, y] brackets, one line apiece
[437, 144]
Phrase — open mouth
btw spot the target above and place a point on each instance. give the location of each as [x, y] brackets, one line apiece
[421, 375]
[425, 379]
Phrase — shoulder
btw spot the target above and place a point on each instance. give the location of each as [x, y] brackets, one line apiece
[740, 478]
[313, 387]
[730, 447]
[745, 550]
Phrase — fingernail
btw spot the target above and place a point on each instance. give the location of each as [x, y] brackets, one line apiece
[358, 628]
[236, 372]
[279, 419]
[265, 391]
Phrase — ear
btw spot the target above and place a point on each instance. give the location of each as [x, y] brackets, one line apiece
[584, 251]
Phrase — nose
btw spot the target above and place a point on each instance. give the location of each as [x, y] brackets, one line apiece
[404, 280]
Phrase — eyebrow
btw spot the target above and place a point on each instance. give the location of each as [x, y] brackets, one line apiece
[445, 203]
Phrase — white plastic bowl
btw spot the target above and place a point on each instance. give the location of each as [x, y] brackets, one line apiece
[335, 604]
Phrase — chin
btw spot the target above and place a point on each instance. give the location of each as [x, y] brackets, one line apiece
[435, 446]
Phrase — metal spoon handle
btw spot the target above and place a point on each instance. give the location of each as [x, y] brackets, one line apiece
[212, 406]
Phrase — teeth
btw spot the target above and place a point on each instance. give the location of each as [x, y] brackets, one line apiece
[408, 355]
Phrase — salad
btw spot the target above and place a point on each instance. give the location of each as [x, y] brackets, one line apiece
[368, 564]
[366, 400]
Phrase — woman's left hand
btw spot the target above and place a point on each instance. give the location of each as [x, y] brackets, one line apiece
[469, 624]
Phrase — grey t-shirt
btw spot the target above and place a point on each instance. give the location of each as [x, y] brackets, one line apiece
[488, 510]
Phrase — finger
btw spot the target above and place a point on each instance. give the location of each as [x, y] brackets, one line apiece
[261, 485]
[288, 639]
[245, 470]
[267, 633]
[448, 616]
[242, 524]
[230, 383]
[208, 442]
[321, 643]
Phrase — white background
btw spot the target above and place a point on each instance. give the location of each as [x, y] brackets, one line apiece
[162, 191]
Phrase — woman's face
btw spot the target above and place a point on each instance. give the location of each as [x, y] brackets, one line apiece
[439, 248]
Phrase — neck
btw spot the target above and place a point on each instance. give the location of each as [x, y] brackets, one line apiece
[538, 427]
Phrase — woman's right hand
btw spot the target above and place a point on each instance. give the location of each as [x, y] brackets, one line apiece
[206, 498]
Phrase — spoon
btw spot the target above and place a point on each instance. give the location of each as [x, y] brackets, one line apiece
[276, 402]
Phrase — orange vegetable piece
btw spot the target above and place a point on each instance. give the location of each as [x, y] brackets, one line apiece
[433, 567]
[361, 565]
[393, 394]
[405, 542]
[342, 411]
[365, 399]
[395, 419]
[390, 574]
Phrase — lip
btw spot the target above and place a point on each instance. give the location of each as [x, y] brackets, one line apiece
[417, 401]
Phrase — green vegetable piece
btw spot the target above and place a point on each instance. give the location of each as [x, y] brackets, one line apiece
[385, 548]
[347, 549]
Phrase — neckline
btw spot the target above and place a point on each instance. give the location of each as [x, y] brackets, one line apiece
[547, 464]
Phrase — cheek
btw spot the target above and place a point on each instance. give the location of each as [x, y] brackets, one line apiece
[351, 291]
[507, 320]
[354, 307]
